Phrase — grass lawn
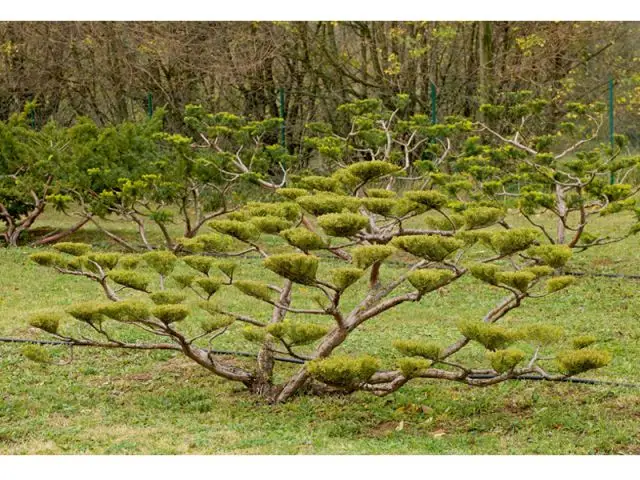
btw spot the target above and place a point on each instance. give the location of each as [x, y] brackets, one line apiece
[122, 402]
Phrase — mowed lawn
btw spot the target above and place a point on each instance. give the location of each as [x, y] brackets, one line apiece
[122, 402]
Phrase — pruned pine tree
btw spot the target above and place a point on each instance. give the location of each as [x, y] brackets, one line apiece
[568, 173]
[394, 248]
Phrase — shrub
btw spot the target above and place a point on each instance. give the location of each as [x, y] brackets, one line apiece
[160, 261]
[75, 249]
[131, 279]
[575, 362]
[555, 256]
[492, 337]
[167, 297]
[209, 285]
[365, 256]
[296, 332]
[343, 278]
[411, 367]
[303, 239]
[428, 280]
[299, 268]
[344, 370]
[429, 247]
[254, 289]
[169, 314]
[200, 263]
[126, 311]
[413, 348]
[46, 321]
[342, 224]
[583, 341]
[243, 231]
[505, 360]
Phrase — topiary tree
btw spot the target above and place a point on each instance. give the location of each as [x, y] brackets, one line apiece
[562, 171]
[298, 303]
[31, 172]
[189, 180]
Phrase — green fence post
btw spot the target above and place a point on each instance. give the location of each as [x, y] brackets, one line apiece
[434, 103]
[282, 126]
[611, 124]
[149, 105]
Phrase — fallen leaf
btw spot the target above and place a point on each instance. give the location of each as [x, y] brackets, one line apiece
[439, 433]
[400, 426]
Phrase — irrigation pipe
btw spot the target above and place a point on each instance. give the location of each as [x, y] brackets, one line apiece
[584, 381]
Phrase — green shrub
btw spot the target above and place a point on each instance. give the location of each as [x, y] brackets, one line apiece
[161, 261]
[36, 353]
[380, 206]
[209, 285]
[270, 224]
[492, 337]
[303, 239]
[429, 199]
[559, 283]
[254, 334]
[75, 249]
[512, 241]
[555, 256]
[169, 314]
[583, 341]
[429, 247]
[297, 267]
[215, 322]
[380, 193]
[126, 311]
[427, 280]
[296, 332]
[344, 370]
[342, 224]
[49, 259]
[367, 171]
[107, 261]
[413, 348]
[541, 334]
[46, 321]
[130, 278]
[292, 193]
[518, 280]
[200, 263]
[89, 312]
[411, 366]
[540, 270]
[343, 278]
[167, 297]
[254, 289]
[485, 272]
[365, 256]
[479, 217]
[505, 360]
[227, 267]
[183, 280]
[243, 231]
[324, 204]
[320, 184]
[130, 262]
[575, 362]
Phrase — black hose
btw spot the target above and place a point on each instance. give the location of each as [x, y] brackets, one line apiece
[215, 352]
[477, 376]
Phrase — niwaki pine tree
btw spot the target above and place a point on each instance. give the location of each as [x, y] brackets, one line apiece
[408, 209]
[166, 290]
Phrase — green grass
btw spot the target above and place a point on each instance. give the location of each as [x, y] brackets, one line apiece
[117, 402]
